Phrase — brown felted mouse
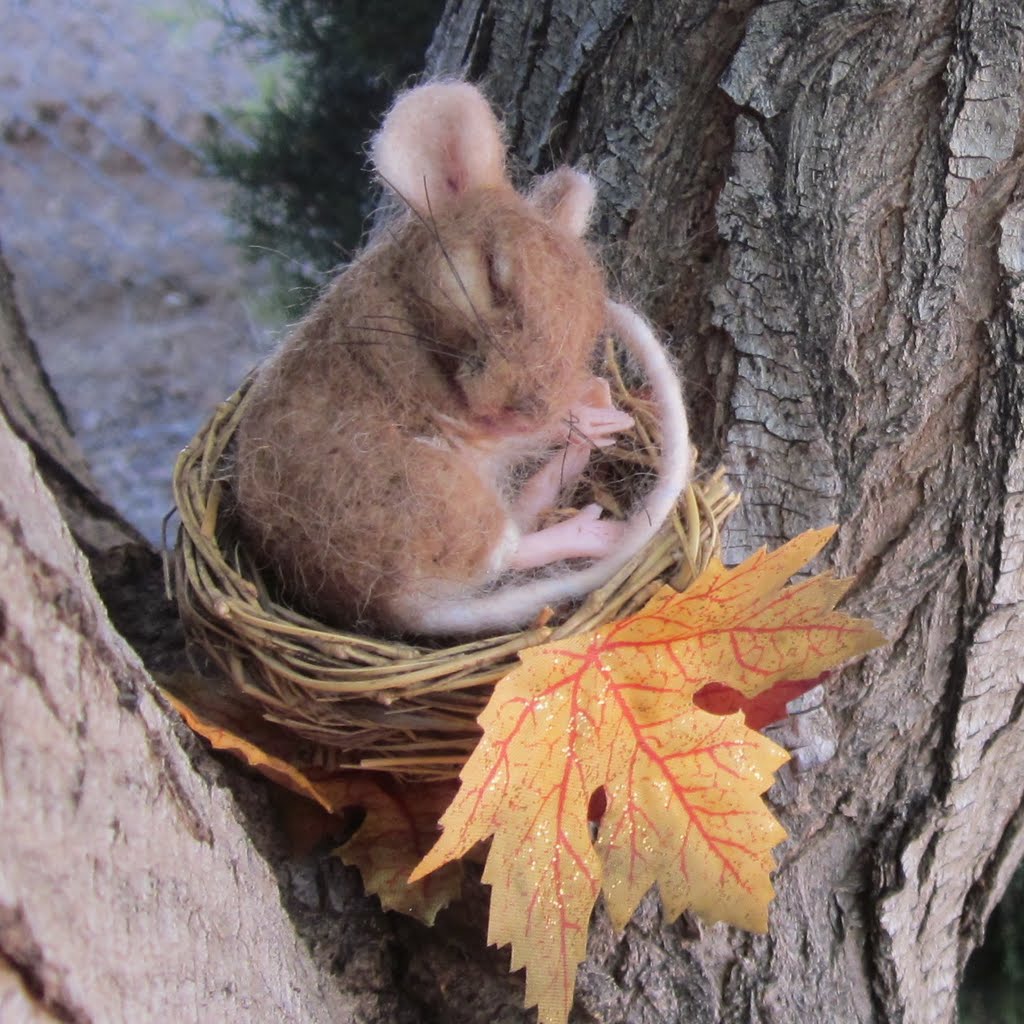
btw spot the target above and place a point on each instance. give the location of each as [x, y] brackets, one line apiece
[398, 451]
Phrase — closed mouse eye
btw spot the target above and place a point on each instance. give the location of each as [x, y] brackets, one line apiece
[472, 362]
[448, 361]
[499, 277]
[458, 361]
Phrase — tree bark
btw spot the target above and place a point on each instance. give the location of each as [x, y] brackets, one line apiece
[820, 201]
[128, 886]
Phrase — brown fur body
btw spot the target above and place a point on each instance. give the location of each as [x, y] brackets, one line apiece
[380, 452]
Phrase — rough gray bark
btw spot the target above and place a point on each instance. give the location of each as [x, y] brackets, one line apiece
[820, 200]
[128, 887]
[140, 879]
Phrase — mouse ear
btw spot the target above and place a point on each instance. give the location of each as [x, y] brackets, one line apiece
[566, 197]
[438, 142]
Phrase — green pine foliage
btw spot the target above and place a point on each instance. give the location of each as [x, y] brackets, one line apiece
[303, 192]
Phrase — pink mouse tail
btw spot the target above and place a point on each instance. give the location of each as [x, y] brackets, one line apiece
[514, 605]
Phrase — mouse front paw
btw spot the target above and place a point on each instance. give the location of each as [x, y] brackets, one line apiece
[597, 427]
[593, 420]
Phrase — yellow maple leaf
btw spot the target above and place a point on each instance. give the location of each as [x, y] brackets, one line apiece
[613, 710]
[400, 822]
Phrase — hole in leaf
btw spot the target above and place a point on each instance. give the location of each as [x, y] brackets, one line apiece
[763, 708]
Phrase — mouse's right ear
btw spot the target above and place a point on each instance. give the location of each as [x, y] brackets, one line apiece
[566, 197]
[438, 142]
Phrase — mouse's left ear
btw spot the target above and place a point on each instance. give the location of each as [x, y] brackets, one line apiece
[438, 142]
[566, 197]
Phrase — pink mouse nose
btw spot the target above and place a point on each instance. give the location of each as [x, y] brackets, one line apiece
[531, 405]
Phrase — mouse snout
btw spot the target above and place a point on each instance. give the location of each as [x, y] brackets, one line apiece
[512, 409]
[531, 406]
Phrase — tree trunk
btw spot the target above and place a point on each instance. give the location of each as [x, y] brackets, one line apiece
[128, 885]
[819, 200]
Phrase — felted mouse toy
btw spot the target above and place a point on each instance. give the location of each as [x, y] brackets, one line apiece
[399, 450]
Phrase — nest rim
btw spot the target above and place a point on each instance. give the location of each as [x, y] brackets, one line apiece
[367, 702]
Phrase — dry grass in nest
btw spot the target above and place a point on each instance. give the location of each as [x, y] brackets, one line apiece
[391, 706]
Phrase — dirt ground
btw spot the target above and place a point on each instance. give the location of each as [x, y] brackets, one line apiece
[143, 310]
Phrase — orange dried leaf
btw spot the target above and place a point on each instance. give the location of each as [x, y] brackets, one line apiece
[277, 769]
[400, 823]
[613, 711]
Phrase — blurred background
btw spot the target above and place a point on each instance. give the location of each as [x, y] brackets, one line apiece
[177, 179]
[117, 232]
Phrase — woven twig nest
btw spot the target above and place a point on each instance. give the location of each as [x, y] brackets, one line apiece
[374, 703]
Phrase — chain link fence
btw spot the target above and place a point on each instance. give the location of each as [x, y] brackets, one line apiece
[116, 231]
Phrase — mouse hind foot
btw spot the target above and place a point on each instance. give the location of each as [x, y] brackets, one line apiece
[584, 535]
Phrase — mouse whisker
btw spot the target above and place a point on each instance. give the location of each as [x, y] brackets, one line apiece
[442, 315]
[408, 320]
[432, 306]
[429, 344]
[458, 277]
[389, 316]
[431, 225]
[574, 431]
